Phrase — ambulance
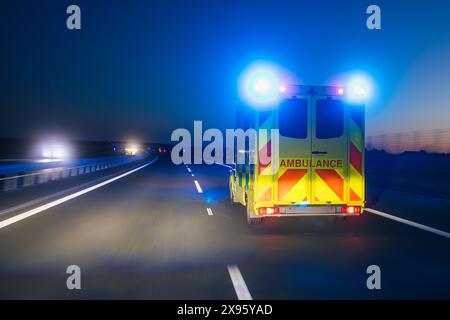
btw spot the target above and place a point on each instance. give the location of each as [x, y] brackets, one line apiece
[320, 162]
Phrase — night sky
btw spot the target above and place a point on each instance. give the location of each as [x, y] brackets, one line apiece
[143, 68]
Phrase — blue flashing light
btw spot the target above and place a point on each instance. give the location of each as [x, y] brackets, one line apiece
[260, 86]
[359, 89]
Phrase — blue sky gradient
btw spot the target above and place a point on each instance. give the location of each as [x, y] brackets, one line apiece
[143, 68]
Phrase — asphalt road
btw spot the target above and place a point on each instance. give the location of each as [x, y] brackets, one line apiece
[150, 235]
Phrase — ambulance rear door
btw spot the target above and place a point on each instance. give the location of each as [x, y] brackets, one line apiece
[293, 179]
[329, 150]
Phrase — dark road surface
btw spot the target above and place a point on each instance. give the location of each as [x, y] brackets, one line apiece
[149, 236]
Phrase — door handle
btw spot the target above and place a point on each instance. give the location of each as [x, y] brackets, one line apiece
[319, 152]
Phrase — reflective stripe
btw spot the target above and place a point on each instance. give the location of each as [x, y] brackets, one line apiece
[356, 149]
[356, 158]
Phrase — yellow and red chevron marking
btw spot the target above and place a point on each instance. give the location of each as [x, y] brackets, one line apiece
[353, 196]
[356, 165]
[333, 181]
[266, 195]
[264, 153]
[264, 178]
[264, 185]
[355, 158]
[356, 149]
[288, 185]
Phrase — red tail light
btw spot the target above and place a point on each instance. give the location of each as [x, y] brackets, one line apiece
[351, 210]
[268, 210]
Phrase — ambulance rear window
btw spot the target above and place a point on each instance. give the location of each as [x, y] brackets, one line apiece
[329, 119]
[294, 118]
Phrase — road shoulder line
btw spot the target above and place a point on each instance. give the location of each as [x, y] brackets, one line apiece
[224, 165]
[410, 223]
[29, 213]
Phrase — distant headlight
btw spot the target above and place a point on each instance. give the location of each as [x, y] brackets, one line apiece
[55, 151]
[132, 150]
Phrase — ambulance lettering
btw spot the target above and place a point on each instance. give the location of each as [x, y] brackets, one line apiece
[309, 163]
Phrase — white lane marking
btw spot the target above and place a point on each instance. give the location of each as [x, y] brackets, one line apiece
[54, 203]
[189, 169]
[197, 185]
[410, 223]
[238, 283]
[192, 175]
[210, 212]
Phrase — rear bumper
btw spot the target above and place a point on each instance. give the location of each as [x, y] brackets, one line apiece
[310, 211]
[309, 215]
